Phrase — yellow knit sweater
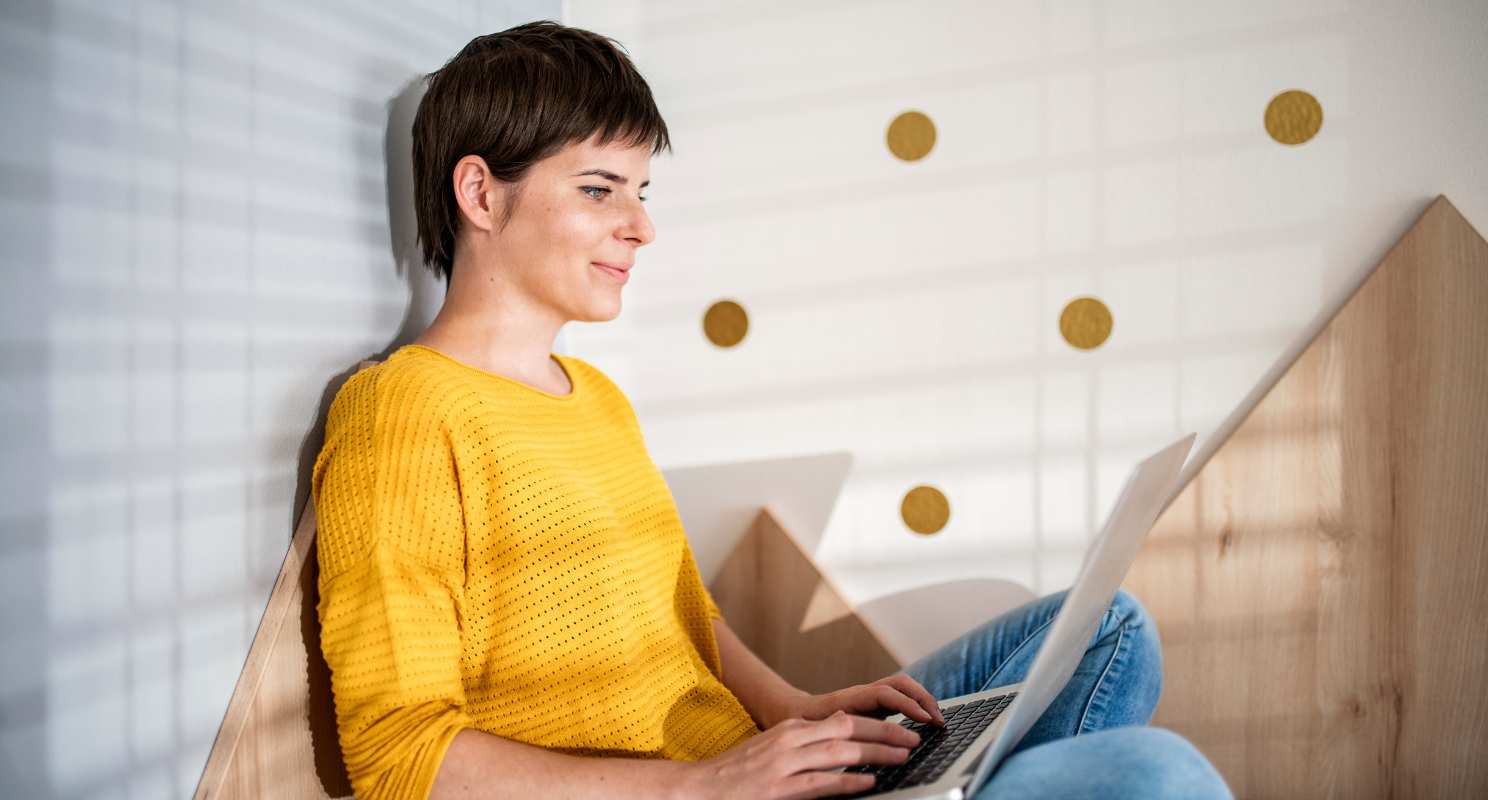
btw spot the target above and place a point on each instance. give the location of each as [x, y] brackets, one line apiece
[498, 557]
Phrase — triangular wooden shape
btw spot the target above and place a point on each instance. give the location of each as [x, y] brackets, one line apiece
[782, 606]
[1321, 586]
[278, 738]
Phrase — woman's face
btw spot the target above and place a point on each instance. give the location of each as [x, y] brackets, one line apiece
[579, 206]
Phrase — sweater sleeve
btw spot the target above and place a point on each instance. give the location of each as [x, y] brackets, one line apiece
[690, 586]
[390, 546]
[696, 611]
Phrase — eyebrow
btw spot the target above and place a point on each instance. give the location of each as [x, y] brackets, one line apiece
[609, 176]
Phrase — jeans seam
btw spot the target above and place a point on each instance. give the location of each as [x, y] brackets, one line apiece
[1035, 632]
[1115, 652]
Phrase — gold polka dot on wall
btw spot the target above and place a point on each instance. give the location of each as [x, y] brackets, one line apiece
[911, 136]
[925, 510]
[1085, 323]
[725, 323]
[1293, 117]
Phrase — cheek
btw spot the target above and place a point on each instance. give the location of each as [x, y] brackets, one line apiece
[582, 233]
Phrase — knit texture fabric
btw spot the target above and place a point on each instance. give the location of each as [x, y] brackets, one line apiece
[498, 557]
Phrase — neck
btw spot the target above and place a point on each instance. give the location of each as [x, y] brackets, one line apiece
[493, 326]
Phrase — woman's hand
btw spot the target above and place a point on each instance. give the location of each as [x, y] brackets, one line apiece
[898, 693]
[794, 759]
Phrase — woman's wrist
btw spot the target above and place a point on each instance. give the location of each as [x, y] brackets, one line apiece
[786, 703]
[679, 780]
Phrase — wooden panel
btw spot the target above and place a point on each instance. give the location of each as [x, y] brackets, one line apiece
[792, 617]
[278, 738]
[1320, 584]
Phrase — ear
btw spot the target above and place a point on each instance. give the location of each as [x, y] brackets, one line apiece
[479, 195]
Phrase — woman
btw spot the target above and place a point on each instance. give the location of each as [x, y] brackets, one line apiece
[508, 603]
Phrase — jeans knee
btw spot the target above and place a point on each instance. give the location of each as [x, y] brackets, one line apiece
[1129, 611]
[1161, 764]
[1142, 656]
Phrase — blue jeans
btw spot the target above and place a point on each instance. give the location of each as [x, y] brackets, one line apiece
[1093, 741]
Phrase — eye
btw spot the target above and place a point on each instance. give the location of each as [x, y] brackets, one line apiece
[603, 189]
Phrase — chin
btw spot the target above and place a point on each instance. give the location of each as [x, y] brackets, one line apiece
[602, 312]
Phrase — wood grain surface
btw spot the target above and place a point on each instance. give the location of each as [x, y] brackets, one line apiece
[1321, 586]
[791, 615]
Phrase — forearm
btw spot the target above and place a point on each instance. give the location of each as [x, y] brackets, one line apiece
[767, 697]
[479, 764]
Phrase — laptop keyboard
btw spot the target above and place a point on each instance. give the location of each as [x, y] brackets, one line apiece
[939, 747]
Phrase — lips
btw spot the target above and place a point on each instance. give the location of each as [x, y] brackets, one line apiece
[621, 275]
[620, 267]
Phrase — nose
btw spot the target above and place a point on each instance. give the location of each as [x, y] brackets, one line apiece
[639, 229]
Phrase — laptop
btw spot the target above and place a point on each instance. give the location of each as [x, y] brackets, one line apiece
[982, 728]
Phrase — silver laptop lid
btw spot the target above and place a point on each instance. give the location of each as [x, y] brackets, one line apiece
[1107, 560]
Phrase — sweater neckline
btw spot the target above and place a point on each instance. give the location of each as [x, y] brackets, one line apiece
[562, 362]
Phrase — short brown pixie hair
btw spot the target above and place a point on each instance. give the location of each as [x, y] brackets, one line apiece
[515, 98]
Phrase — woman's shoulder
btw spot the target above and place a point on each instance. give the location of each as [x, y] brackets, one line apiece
[607, 394]
[594, 376]
[400, 389]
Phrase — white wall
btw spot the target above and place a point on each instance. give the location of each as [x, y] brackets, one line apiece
[197, 239]
[908, 312]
